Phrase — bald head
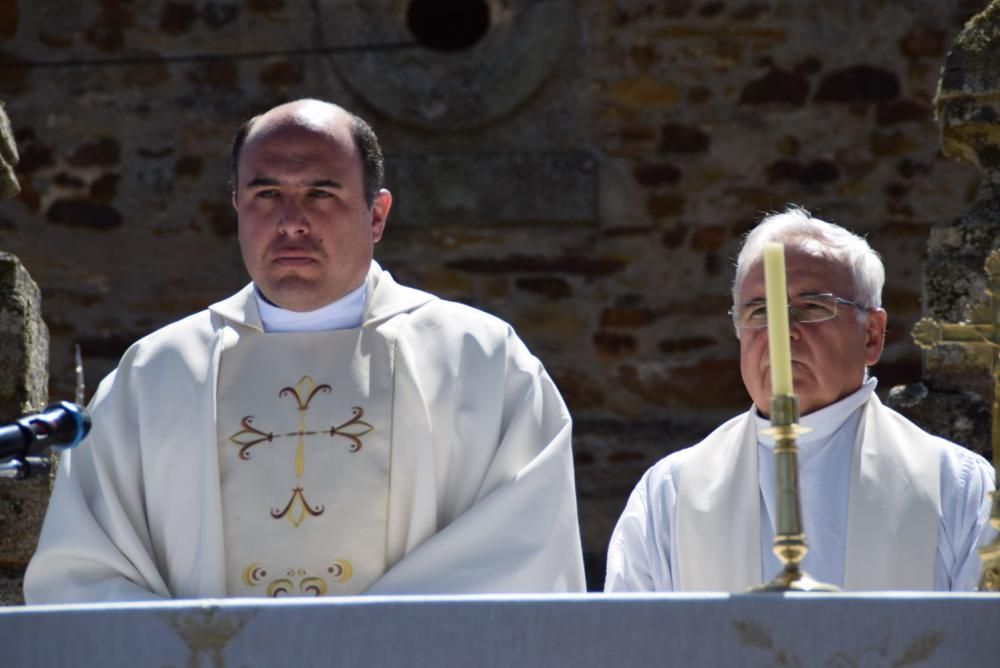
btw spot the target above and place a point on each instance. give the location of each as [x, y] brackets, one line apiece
[322, 117]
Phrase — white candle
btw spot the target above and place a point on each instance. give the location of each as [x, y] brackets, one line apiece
[777, 319]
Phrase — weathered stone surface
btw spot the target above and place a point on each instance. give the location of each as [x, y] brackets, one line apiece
[666, 206]
[8, 158]
[435, 89]
[685, 344]
[777, 87]
[860, 83]
[923, 42]
[24, 354]
[902, 111]
[718, 380]
[34, 154]
[8, 19]
[627, 316]
[282, 74]
[615, 344]
[585, 266]
[676, 138]
[442, 189]
[814, 172]
[550, 286]
[103, 152]
[657, 174]
[74, 212]
[707, 238]
[177, 17]
[958, 384]
[644, 92]
[24, 347]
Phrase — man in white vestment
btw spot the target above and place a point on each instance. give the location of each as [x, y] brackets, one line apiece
[885, 505]
[324, 431]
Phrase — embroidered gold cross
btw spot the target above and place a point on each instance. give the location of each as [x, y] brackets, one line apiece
[298, 508]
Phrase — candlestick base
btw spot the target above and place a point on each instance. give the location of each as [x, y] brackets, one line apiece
[792, 578]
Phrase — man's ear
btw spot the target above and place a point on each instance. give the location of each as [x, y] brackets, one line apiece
[380, 213]
[236, 208]
[875, 335]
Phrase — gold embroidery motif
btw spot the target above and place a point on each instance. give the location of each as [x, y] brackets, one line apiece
[340, 569]
[298, 508]
[296, 581]
[302, 506]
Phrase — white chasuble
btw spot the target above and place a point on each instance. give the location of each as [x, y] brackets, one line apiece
[304, 447]
[894, 507]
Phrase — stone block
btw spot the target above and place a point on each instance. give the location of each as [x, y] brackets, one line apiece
[24, 354]
[859, 83]
[777, 87]
[24, 341]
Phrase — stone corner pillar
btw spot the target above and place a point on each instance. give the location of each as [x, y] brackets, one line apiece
[954, 397]
[24, 355]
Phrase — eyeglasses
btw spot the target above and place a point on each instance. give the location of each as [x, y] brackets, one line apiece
[804, 309]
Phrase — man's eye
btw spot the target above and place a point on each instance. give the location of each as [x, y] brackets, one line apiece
[266, 194]
[319, 194]
[814, 306]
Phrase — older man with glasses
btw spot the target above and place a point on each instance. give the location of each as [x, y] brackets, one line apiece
[885, 505]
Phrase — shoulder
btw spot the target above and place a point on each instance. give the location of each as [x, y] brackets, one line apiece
[187, 337]
[667, 472]
[176, 355]
[947, 448]
[444, 315]
[451, 330]
[958, 463]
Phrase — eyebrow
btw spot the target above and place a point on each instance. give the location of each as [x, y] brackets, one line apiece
[264, 181]
[762, 300]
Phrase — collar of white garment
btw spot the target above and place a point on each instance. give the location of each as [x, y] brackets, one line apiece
[345, 313]
[824, 422]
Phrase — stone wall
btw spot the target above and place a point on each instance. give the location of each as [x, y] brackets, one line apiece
[583, 170]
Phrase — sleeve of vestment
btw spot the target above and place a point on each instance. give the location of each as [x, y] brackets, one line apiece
[966, 482]
[639, 551]
[479, 416]
[95, 545]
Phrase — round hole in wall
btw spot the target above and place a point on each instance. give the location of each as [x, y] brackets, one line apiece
[448, 25]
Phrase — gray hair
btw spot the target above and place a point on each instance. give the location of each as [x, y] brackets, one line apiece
[797, 228]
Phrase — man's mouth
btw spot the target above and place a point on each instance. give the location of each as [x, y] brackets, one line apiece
[293, 256]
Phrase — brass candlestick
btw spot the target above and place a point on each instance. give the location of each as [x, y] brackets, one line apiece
[789, 536]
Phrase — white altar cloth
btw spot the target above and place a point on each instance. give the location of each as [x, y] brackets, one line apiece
[874, 629]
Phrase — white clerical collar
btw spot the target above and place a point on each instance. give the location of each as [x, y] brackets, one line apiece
[824, 422]
[345, 313]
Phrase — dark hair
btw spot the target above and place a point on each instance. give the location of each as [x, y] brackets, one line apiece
[372, 162]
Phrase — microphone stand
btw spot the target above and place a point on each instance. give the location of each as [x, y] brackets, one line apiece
[22, 468]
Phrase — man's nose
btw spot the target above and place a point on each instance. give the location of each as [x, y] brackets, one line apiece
[794, 328]
[293, 219]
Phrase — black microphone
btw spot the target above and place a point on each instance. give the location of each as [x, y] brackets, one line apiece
[61, 425]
